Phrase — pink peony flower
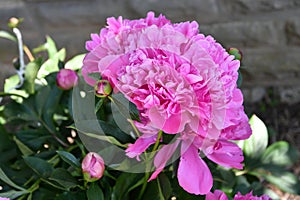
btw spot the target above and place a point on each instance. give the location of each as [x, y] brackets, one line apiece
[249, 196]
[3, 198]
[66, 79]
[183, 83]
[92, 167]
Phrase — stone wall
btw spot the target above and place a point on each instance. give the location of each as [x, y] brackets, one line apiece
[267, 31]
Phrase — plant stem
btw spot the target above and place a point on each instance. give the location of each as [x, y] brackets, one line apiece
[148, 166]
[54, 135]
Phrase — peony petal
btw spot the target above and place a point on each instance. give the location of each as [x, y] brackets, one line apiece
[140, 145]
[193, 174]
[227, 154]
[217, 195]
[161, 158]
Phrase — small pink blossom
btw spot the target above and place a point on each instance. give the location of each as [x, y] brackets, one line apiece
[3, 198]
[217, 195]
[66, 79]
[92, 167]
[249, 196]
[182, 83]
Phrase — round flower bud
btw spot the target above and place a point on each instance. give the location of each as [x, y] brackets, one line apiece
[66, 79]
[102, 88]
[236, 53]
[14, 22]
[92, 167]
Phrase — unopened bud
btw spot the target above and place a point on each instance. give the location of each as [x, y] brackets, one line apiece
[236, 53]
[92, 167]
[14, 22]
[66, 79]
[103, 88]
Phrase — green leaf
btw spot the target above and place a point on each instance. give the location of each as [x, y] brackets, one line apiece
[284, 180]
[39, 166]
[102, 131]
[79, 195]
[258, 141]
[33, 138]
[69, 158]
[99, 105]
[7, 35]
[64, 178]
[5, 142]
[94, 192]
[164, 186]
[5, 179]
[51, 65]
[240, 79]
[75, 63]
[10, 88]
[105, 138]
[13, 194]
[31, 71]
[24, 111]
[122, 105]
[281, 154]
[50, 107]
[26, 151]
[50, 46]
[124, 185]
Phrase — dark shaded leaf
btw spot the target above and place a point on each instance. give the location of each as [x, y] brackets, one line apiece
[13, 194]
[94, 192]
[124, 185]
[7, 180]
[26, 151]
[69, 158]
[64, 178]
[39, 166]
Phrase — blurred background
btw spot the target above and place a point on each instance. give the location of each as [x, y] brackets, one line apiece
[266, 31]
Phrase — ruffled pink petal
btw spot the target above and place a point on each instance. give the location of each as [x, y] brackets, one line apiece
[217, 195]
[227, 154]
[161, 158]
[140, 145]
[193, 174]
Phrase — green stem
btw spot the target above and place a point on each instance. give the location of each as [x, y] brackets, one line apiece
[54, 135]
[148, 166]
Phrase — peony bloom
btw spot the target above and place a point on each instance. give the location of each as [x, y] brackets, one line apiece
[66, 79]
[92, 167]
[3, 198]
[249, 196]
[182, 83]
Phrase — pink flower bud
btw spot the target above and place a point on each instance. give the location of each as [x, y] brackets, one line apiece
[236, 53]
[103, 88]
[92, 167]
[66, 79]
